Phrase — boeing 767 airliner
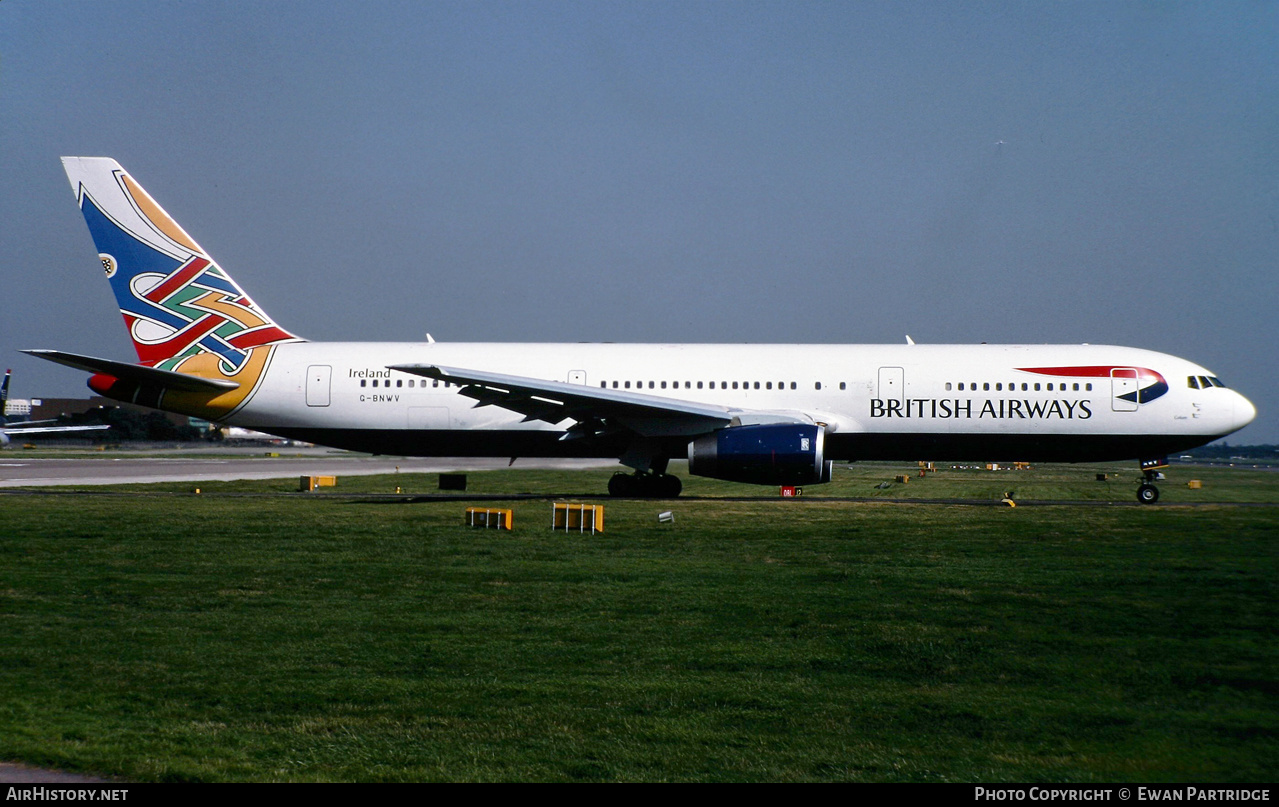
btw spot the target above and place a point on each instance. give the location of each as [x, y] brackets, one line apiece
[763, 414]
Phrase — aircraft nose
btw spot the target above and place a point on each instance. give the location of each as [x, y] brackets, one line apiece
[1245, 412]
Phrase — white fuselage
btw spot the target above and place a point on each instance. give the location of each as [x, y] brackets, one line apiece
[877, 401]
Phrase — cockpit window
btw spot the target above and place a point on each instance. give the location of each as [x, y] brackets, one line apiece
[1192, 382]
[1217, 382]
[1204, 382]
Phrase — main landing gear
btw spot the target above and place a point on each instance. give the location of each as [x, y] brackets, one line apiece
[644, 486]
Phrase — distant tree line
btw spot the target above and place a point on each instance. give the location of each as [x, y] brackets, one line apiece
[127, 425]
[1225, 451]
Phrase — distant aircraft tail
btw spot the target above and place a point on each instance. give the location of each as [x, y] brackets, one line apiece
[183, 312]
[176, 301]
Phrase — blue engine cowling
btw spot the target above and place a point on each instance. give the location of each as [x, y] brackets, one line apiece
[770, 454]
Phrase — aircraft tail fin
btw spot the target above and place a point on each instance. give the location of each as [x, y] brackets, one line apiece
[177, 303]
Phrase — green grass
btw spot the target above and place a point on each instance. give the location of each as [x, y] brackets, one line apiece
[860, 480]
[317, 638]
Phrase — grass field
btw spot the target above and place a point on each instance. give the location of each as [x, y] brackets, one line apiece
[302, 637]
[862, 480]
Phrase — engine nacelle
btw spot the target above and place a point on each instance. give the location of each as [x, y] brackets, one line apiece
[769, 454]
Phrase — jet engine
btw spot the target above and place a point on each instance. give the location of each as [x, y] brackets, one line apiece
[769, 454]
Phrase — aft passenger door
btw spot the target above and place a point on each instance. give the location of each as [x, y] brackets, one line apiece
[318, 377]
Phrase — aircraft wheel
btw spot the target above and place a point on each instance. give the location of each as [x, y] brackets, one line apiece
[644, 486]
[1147, 494]
[669, 486]
[622, 485]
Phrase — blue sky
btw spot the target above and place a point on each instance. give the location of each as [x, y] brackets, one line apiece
[666, 172]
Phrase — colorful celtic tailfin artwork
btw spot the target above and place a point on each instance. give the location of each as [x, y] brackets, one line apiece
[183, 312]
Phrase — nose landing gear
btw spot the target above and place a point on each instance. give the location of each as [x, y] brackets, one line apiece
[1147, 493]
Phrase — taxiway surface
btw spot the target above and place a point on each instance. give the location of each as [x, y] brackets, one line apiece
[221, 464]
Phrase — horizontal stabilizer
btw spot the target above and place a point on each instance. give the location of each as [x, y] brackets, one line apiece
[137, 373]
[20, 429]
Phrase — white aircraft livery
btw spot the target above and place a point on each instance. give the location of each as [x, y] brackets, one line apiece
[764, 414]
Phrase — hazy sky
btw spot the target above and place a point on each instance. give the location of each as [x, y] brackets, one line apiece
[666, 172]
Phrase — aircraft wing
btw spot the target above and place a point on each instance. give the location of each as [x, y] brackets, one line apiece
[595, 410]
[135, 372]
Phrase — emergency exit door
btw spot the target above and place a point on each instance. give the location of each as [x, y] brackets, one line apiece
[892, 384]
